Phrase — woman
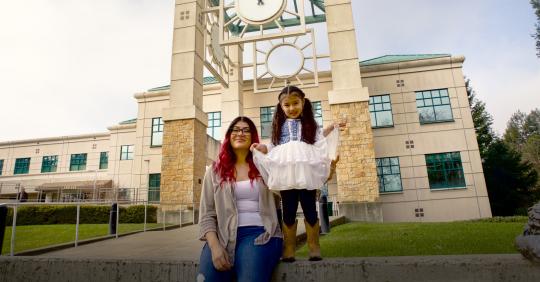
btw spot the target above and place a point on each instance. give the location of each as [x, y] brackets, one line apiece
[238, 217]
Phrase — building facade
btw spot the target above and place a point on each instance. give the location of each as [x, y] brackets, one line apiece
[426, 153]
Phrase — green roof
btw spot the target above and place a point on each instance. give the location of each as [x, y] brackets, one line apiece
[129, 121]
[387, 59]
[206, 80]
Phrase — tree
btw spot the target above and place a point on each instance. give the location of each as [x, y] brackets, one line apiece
[481, 118]
[531, 131]
[531, 126]
[514, 135]
[531, 151]
[521, 126]
[509, 180]
[536, 7]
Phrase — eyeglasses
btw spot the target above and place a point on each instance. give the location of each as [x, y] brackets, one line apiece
[237, 130]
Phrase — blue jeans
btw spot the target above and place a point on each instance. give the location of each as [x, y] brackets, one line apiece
[251, 262]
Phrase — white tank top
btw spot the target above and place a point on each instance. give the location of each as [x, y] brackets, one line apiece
[247, 203]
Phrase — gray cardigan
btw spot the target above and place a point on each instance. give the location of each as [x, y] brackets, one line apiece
[218, 212]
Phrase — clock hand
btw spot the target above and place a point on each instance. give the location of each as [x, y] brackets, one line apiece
[260, 2]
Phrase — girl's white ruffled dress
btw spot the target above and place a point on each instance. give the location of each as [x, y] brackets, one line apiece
[294, 164]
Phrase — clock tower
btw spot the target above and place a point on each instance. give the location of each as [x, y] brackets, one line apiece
[212, 34]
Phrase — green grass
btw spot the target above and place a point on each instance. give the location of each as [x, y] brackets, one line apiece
[492, 236]
[37, 236]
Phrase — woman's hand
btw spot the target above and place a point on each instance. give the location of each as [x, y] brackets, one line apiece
[220, 259]
[259, 147]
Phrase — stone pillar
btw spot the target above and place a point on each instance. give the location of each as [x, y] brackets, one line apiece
[184, 140]
[357, 183]
[232, 98]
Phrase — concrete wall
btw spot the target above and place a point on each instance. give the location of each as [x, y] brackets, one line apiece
[431, 268]
[453, 136]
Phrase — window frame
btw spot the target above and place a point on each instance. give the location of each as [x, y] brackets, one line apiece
[433, 105]
[266, 117]
[444, 159]
[104, 164]
[318, 112]
[380, 166]
[19, 168]
[373, 105]
[81, 159]
[156, 129]
[152, 189]
[212, 130]
[48, 162]
[128, 155]
[1, 166]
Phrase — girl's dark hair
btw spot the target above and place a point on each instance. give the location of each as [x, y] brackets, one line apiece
[309, 125]
[224, 166]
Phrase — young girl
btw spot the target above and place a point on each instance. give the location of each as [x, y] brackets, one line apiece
[296, 163]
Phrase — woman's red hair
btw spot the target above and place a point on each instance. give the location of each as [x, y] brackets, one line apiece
[224, 166]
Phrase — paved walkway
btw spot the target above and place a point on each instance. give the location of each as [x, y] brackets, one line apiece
[180, 243]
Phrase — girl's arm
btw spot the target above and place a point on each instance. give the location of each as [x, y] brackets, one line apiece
[331, 127]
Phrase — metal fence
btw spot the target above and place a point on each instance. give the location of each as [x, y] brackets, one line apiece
[168, 214]
[14, 193]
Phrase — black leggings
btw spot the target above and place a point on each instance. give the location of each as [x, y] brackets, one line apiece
[307, 200]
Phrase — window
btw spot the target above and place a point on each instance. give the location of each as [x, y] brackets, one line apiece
[317, 112]
[434, 106]
[22, 166]
[126, 152]
[445, 170]
[389, 174]
[78, 162]
[1, 166]
[214, 125]
[267, 113]
[49, 164]
[154, 183]
[380, 110]
[157, 132]
[103, 160]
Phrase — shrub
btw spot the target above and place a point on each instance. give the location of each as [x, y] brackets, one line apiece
[38, 215]
[135, 214]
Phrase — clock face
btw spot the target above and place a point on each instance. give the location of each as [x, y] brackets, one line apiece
[218, 53]
[260, 11]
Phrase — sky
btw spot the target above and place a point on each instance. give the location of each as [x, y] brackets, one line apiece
[72, 67]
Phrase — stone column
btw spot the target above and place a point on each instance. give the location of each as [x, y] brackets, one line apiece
[184, 140]
[356, 171]
[232, 98]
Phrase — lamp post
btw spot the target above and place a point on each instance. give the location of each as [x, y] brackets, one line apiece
[95, 180]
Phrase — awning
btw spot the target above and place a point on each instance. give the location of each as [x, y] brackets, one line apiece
[54, 186]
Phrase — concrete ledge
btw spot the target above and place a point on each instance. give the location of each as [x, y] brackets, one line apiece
[510, 267]
[362, 211]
